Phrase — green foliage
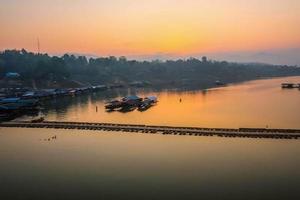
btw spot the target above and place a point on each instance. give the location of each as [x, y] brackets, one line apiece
[43, 67]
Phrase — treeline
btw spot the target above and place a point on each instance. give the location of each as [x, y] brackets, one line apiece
[105, 70]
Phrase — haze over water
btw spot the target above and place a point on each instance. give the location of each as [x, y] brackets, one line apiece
[260, 103]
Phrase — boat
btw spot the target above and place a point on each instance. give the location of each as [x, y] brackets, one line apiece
[287, 85]
[28, 95]
[23, 102]
[15, 104]
[18, 106]
[72, 92]
[147, 103]
[132, 100]
[129, 101]
[219, 83]
[9, 100]
[113, 105]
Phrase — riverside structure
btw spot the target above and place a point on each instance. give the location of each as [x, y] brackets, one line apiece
[165, 130]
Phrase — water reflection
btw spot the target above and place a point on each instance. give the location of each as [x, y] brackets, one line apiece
[259, 103]
[84, 165]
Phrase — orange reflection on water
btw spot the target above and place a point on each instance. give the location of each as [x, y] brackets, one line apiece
[259, 103]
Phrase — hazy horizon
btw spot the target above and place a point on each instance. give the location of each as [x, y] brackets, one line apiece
[289, 57]
[276, 57]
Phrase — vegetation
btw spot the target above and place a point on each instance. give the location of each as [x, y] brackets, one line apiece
[42, 68]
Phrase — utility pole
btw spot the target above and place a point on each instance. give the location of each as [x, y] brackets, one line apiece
[38, 45]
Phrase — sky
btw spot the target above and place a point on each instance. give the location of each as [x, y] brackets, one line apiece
[141, 28]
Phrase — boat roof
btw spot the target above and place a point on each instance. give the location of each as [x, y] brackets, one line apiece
[28, 94]
[3, 107]
[132, 97]
[113, 101]
[9, 99]
[153, 98]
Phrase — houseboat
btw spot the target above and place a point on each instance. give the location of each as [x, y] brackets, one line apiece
[113, 105]
[132, 100]
[147, 103]
[129, 101]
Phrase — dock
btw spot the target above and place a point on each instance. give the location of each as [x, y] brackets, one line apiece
[164, 130]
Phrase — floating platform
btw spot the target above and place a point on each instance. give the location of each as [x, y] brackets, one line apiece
[165, 130]
[290, 85]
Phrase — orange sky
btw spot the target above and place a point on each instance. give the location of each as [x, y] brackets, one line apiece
[140, 27]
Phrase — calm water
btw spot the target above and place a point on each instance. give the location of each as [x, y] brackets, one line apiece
[99, 165]
[112, 165]
[251, 104]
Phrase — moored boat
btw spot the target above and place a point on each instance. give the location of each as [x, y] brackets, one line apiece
[132, 100]
[147, 103]
[113, 105]
[288, 85]
[129, 101]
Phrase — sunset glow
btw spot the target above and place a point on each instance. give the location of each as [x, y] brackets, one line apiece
[140, 27]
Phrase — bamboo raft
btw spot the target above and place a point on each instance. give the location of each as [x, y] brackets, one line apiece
[165, 130]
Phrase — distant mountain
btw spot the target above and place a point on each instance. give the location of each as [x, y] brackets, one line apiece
[277, 57]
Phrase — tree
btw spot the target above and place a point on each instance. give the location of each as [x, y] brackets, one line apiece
[105, 70]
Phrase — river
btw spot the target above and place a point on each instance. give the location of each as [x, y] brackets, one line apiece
[260, 103]
[112, 165]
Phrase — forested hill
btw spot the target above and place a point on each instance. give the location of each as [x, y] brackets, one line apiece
[42, 69]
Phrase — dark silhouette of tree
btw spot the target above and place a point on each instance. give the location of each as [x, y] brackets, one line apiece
[107, 70]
